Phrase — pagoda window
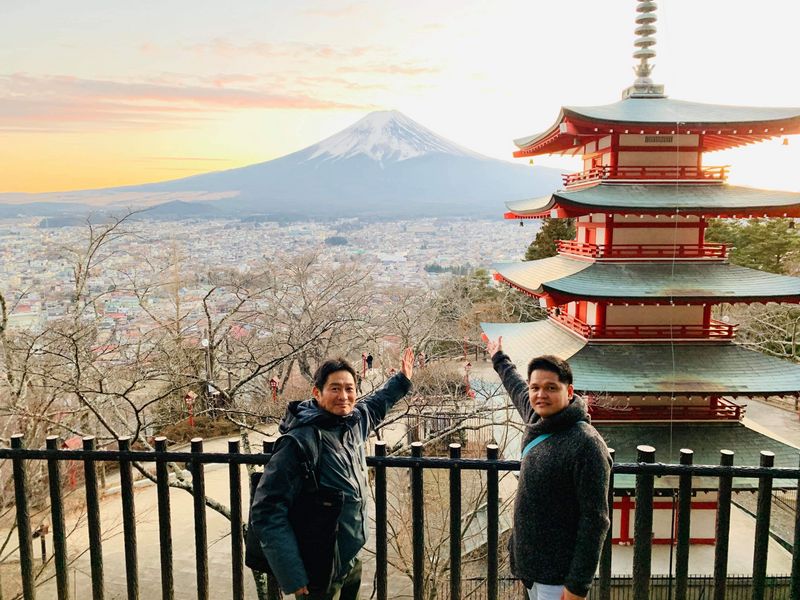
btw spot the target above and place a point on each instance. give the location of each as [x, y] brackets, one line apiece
[604, 142]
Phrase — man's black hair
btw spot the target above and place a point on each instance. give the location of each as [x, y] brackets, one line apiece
[551, 363]
[331, 366]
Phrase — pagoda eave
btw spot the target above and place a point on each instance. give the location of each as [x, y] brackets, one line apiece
[719, 126]
[636, 369]
[708, 200]
[565, 279]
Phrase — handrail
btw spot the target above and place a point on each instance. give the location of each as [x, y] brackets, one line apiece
[652, 251]
[715, 330]
[724, 410]
[716, 173]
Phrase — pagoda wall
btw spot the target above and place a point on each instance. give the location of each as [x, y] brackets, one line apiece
[655, 235]
[654, 315]
[658, 159]
[702, 529]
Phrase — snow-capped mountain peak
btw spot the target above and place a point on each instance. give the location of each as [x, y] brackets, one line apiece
[385, 136]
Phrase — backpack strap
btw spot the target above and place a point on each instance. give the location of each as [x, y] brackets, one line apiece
[309, 438]
[540, 438]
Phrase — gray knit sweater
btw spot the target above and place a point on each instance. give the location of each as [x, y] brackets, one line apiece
[561, 508]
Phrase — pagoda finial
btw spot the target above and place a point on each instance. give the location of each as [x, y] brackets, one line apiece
[643, 86]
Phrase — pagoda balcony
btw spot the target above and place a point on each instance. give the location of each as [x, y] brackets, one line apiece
[644, 251]
[719, 409]
[690, 174]
[716, 330]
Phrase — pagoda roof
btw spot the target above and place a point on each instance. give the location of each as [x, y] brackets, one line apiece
[705, 440]
[702, 199]
[566, 278]
[716, 368]
[722, 126]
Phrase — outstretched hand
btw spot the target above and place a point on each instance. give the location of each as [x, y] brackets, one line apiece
[407, 362]
[492, 347]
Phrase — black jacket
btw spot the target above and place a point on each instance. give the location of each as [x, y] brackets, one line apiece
[342, 465]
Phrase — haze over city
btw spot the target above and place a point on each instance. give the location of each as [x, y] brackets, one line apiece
[109, 94]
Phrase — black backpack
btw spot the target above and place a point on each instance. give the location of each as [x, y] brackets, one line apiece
[314, 517]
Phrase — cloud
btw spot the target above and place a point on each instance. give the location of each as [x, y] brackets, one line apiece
[49, 102]
[349, 10]
[300, 51]
[407, 68]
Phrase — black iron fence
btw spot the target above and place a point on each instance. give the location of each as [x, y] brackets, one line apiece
[641, 586]
[662, 587]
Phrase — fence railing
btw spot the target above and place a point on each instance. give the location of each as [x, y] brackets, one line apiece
[648, 251]
[645, 470]
[650, 173]
[662, 587]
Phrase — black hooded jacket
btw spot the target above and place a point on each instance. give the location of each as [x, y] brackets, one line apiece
[342, 466]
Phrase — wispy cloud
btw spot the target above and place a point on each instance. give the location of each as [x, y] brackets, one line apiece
[388, 68]
[35, 102]
[228, 49]
[349, 10]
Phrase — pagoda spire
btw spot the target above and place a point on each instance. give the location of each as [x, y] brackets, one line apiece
[643, 86]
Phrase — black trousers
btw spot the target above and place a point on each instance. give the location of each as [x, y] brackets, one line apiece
[342, 590]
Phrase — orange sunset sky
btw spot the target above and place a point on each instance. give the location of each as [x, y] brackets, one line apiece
[104, 93]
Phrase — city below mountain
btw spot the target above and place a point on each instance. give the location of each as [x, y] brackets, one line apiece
[385, 165]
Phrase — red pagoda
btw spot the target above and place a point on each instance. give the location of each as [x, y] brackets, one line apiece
[630, 299]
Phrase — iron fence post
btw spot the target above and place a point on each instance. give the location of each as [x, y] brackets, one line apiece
[128, 520]
[684, 527]
[57, 518]
[417, 522]
[723, 526]
[455, 524]
[200, 528]
[164, 520]
[93, 520]
[643, 526]
[492, 518]
[237, 539]
[381, 539]
[23, 520]
[762, 528]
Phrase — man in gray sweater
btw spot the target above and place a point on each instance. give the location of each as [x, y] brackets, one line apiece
[561, 508]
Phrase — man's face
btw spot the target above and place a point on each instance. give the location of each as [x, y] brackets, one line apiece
[547, 394]
[338, 395]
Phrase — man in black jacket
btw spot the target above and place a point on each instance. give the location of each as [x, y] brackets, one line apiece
[561, 508]
[344, 426]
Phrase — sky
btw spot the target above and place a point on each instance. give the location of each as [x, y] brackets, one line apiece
[102, 93]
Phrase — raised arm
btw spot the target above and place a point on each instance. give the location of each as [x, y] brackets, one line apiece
[376, 405]
[512, 381]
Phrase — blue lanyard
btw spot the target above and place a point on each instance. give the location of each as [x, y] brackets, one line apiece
[539, 439]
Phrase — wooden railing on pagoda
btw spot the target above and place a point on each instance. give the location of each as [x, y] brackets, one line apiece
[716, 330]
[719, 409]
[648, 173]
[649, 251]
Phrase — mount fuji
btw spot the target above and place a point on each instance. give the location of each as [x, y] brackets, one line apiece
[384, 165]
